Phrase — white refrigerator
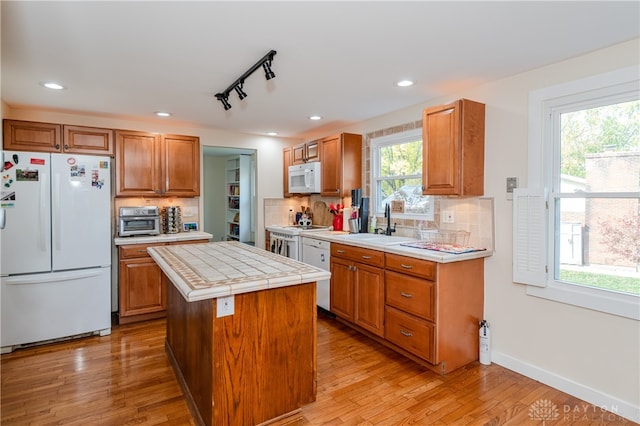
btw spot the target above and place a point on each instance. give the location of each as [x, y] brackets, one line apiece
[55, 258]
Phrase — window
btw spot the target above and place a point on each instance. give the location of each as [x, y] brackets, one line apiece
[397, 174]
[577, 227]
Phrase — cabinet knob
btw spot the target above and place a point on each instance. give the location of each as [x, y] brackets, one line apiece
[57, 146]
[66, 147]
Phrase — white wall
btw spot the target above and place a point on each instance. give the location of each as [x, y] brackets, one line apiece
[589, 354]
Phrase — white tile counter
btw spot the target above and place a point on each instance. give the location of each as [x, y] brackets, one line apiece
[219, 269]
[392, 244]
[162, 238]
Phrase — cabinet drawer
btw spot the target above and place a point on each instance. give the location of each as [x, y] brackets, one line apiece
[410, 333]
[410, 294]
[412, 266]
[358, 254]
[136, 250]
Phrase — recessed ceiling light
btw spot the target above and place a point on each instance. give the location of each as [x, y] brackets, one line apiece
[163, 114]
[315, 117]
[404, 83]
[272, 133]
[52, 85]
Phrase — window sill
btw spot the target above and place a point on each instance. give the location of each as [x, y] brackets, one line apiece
[624, 305]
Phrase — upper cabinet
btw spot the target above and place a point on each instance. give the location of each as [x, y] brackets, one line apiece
[341, 164]
[286, 162]
[49, 137]
[305, 153]
[453, 149]
[153, 165]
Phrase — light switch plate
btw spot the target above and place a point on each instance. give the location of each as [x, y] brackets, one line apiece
[447, 216]
[512, 183]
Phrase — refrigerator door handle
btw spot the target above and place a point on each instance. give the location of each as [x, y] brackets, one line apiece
[3, 218]
[44, 184]
[56, 210]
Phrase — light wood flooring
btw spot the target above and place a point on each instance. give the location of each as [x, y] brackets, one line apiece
[126, 379]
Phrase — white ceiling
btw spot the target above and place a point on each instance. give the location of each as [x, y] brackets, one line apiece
[335, 59]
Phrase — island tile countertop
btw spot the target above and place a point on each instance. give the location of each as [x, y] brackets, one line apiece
[219, 269]
[162, 238]
[393, 244]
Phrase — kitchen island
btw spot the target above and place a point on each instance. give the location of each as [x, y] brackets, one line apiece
[257, 363]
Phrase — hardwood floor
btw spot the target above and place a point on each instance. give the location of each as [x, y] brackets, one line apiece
[126, 379]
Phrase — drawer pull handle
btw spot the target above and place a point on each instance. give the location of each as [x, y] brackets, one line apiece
[366, 257]
[406, 333]
[142, 251]
[407, 295]
[340, 251]
[406, 266]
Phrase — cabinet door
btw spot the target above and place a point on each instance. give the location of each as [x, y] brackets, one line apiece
[286, 162]
[140, 287]
[341, 284]
[138, 164]
[331, 166]
[312, 151]
[31, 136]
[369, 298]
[87, 140]
[441, 150]
[181, 166]
[299, 154]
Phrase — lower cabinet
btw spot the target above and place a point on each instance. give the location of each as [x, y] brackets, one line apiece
[357, 286]
[141, 291]
[425, 310]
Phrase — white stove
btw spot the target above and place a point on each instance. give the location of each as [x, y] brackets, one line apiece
[286, 239]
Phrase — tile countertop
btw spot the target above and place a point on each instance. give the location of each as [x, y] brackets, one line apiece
[208, 271]
[162, 238]
[393, 245]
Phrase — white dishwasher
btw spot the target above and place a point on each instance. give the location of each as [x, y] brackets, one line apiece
[317, 253]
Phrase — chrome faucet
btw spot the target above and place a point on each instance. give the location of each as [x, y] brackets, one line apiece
[387, 214]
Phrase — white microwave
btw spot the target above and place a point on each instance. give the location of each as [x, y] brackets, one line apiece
[304, 178]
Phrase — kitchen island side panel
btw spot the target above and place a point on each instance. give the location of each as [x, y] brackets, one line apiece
[253, 366]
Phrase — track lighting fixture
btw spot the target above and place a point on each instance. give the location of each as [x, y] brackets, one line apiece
[237, 85]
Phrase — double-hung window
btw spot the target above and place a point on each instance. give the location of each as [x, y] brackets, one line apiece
[577, 226]
[396, 168]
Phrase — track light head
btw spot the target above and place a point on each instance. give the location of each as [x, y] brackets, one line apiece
[224, 98]
[240, 92]
[268, 74]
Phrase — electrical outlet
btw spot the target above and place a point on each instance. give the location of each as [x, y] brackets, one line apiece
[224, 306]
[447, 216]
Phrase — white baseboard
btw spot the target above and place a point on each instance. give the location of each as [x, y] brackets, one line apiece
[593, 396]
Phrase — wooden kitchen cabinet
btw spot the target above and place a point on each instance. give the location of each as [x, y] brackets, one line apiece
[341, 164]
[453, 149]
[141, 289]
[32, 136]
[432, 310]
[153, 165]
[141, 292]
[87, 140]
[305, 153]
[57, 138]
[286, 162]
[357, 286]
